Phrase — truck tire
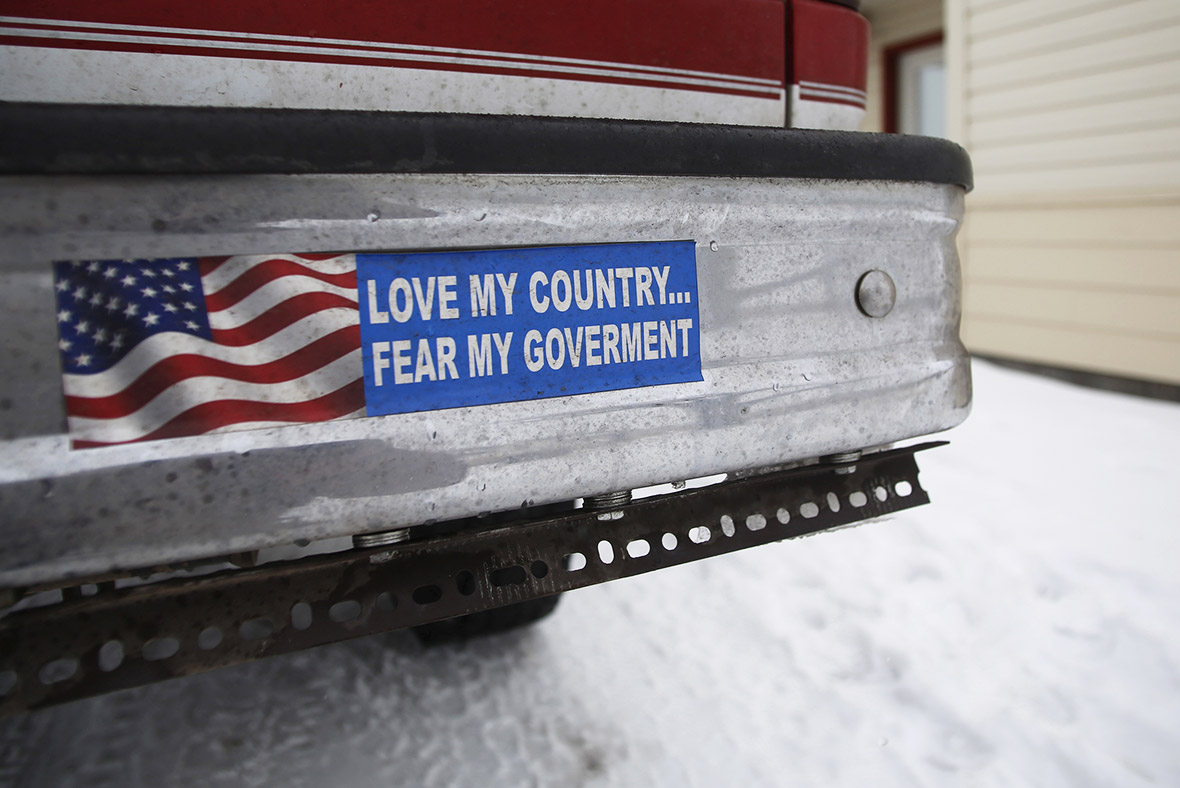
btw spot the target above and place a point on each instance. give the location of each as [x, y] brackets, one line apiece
[487, 622]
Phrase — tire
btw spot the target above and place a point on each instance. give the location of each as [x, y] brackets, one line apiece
[487, 622]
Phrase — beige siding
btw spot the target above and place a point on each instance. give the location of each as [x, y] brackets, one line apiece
[1071, 112]
[892, 23]
[1147, 358]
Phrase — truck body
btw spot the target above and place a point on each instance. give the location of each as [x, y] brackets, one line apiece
[422, 293]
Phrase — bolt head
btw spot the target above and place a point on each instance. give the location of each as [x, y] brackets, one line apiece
[876, 294]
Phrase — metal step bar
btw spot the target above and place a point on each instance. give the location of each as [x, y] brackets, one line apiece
[128, 637]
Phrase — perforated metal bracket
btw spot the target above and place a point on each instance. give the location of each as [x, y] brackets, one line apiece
[128, 637]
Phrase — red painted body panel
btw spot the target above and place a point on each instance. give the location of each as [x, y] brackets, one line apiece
[829, 46]
[810, 53]
[740, 38]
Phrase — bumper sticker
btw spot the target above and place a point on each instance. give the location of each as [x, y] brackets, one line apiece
[154, 349]
[450, 329]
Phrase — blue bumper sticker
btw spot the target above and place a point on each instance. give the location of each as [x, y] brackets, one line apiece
[452, 329]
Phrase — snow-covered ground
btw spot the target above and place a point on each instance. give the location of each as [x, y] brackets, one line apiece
[1024, 629]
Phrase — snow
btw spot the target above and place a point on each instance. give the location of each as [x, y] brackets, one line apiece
[1024, 629]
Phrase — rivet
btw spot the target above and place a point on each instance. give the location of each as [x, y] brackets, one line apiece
[876, 294]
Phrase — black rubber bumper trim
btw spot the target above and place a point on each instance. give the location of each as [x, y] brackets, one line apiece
[101, 139]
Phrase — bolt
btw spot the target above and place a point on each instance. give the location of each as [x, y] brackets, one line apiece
[381, 539]
[607, 500]
[876, 294]
[844, 459]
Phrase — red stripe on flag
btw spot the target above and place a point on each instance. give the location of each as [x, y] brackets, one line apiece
[211, 264]
[223, 413]
[174, 369]
[267, 271]
[279, 317]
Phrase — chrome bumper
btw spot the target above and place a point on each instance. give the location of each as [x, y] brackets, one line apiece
[792, 368]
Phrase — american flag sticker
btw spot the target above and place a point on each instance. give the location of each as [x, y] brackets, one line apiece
[154, 349]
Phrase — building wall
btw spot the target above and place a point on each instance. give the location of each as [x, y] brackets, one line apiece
[893, 22]
[1071, 112]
